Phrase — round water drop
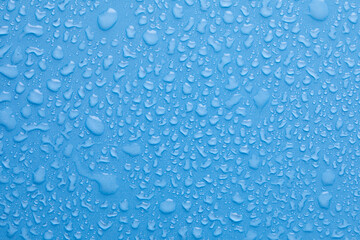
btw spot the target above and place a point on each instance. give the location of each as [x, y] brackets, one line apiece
[150, 37]
[170, 77]
[225, 3]
[53, 85]
[58, 53]
[68, 150]
[353, 18]
[107, 183]
[254, 162]
[108, 61]
[178, 11]
[201, 110]
[7, 119]
[237, 198]
[95, 125]
[235, 99]
[190, 2]
[197, 232]
[130, 31]
[124, 205]
[48, 235]
[207, 72]
[68, 68]
[187, 88]
[228, 17]
[318, 10]
[93, 100]
[324, 199]
[9, 71]
[26, 111]
[167, 206]
[251, 235]
[35, 97]
[261, 98]
[17, 55]
[328, 177]
[39, 175]
[133, 149]
[4, 30]
[266, 11]
[235, 217]
[107, 19]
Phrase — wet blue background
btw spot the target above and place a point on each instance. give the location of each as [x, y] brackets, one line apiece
[179, 119]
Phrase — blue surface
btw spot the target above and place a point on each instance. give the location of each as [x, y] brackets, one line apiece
[161, 119]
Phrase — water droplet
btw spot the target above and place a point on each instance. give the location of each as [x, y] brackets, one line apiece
[36, 97]
[95, 125]
[168, 206]
[151, 37]
[107, 19]
[319, 10]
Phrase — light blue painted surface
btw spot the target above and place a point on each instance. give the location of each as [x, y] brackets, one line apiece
[161, 119]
